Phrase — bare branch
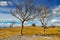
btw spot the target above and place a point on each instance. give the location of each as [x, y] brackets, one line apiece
[43, 13]
[24, 12]
[15, 16]
[34, 16]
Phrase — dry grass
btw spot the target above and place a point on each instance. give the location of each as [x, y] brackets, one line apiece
[7, 32]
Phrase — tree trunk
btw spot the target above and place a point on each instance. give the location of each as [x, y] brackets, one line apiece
[22, 28]
[43, 28]
[42, 24]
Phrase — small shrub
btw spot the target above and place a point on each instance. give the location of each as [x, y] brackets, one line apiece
[33, 25]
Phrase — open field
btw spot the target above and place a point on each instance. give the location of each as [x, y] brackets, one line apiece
[9, 32]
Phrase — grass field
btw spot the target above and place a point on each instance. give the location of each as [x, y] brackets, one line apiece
[7, 32]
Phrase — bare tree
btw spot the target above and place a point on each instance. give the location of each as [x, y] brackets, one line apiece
[24, 12]
[44, 15]
[12, 23]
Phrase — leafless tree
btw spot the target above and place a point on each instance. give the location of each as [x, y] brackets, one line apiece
[44, 15]
[12, 23]
[24, 12]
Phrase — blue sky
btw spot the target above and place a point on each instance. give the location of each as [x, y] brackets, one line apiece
[6, 5]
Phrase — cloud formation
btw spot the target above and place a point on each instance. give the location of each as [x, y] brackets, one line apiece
[7, 17]
[3, 3]
[56, 10]
[55, 21]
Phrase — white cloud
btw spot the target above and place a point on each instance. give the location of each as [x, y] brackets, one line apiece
[3, 3]
[56, 10]
[55, 21]
[7, 17]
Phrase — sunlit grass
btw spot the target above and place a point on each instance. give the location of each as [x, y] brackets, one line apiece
[7, 32]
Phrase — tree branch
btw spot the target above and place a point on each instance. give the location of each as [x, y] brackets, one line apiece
[15, 16]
